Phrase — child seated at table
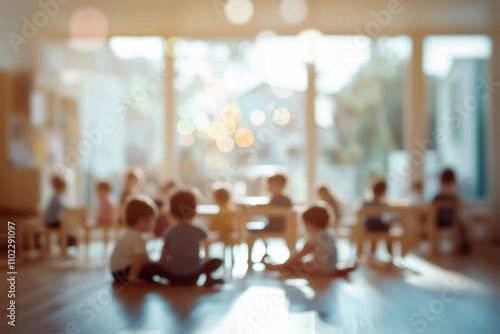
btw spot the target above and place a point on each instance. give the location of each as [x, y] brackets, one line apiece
[446, 217]
[276, 184]
[416, 195]
[181, 251]
[224, 223]
[325, 195]
[105, 210]
[133, 181]
[130, 262]
[162, 222]
[55, 208]
[378, 223]
[320, 246]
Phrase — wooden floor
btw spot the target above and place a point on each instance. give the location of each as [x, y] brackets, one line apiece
[445, 294]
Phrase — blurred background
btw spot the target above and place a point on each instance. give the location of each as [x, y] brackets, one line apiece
[235, 91]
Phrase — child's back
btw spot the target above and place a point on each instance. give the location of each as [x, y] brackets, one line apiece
[182, 246]
[224, 222]
[448, 198]
[53, 213]
[276, 185]
[324, 251]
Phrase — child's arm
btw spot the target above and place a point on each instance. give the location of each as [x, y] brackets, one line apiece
[295, 259]
[139, 261]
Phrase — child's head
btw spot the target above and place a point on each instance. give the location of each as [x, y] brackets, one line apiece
[167, 188]
[183, 206]
[221, 196]
[276, 184]
[417, 187]
[140, 213]
[379, 188]
[103, 189]
[316, 218]
[324, 193]
[447, 178]
[133, 179]
[58, 184]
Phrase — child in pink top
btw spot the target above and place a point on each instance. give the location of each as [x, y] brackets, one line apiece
[105, 214]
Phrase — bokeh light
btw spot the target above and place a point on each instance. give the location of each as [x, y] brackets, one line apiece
[225, 144]
[281, 116]
[282, 93]
[185, 127]
[244, 137]
[294, 11]
[183, 112]
[238, 12]
[187, 141]
[88, 30]
[310, 40]
[231, 113]
[170, 45]
[214, 86]
[257, 117]
[216, 130]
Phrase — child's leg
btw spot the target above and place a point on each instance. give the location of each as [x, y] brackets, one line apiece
[388, 244]
[208, 268]
[346, 270]
[150, 270]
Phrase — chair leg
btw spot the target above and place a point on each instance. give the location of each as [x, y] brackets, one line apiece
[47, 247]
[250, 244]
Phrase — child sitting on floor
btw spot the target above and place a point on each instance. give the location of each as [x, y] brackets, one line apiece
[446, 217]
[224, 223]
[105, 214]
[130, 261]
[320, 244]
[181, 251]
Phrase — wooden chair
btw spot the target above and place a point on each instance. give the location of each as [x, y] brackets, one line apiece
[73, 222]
[229, 240]
[454, 227]
[108, 231]
[289, 235]
[399, 234]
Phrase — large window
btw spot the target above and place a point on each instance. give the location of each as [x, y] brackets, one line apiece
[458, 101]
[360, 106]
[240, 113]
[100, 110]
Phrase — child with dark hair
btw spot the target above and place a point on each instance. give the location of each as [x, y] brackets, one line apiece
[224, 223]
[320, 244]
[105, 214]
[181, 251]
[55, 208]
[448, 196]
[378, 224]
[276, 184]
[130, 262]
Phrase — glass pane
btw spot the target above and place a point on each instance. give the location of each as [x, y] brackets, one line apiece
[359, 109]
[458, 88]
[240, 112]
[101, 110]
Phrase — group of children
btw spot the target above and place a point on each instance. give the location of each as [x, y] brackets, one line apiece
[180, 262]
